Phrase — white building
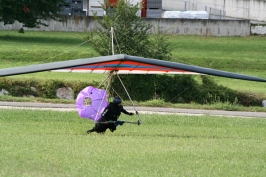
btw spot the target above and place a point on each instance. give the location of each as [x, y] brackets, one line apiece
[244, 9]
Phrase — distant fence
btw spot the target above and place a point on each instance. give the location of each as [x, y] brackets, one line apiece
[209, 27]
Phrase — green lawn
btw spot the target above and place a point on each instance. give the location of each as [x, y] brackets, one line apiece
[54, 143]
[41, 47]
[236, 54]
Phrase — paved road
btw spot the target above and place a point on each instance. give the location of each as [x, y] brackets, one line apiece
[139, 109]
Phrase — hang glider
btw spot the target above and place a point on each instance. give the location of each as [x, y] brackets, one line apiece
[123, 64]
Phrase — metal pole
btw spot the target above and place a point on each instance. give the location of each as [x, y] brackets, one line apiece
[129, 122]
[112, 34]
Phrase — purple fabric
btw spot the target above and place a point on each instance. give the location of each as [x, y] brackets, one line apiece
[98, 102]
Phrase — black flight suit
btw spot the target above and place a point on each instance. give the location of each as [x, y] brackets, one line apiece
[110, 113]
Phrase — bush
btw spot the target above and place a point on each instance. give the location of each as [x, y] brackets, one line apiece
[37, 88]
[162, 88]
[18, 87]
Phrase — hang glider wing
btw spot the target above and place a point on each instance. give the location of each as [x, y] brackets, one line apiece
[124, 64]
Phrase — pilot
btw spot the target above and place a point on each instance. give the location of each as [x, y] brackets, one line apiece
[111, 113]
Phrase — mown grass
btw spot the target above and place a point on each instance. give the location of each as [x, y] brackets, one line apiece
[236, 54]
[54, 143]
[42, 47]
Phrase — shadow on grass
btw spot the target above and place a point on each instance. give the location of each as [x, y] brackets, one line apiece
[170, 135]
[49, 39]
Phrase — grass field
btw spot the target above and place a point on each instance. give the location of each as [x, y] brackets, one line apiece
[54, 143]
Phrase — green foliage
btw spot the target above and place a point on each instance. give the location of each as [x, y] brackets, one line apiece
[30, 13]
[169, 88]
[163, 94]
[219, 93]
[21, 30]
[140, 87]
[130, 31]
[161, 47]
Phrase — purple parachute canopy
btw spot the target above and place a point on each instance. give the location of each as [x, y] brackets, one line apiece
[98, 102]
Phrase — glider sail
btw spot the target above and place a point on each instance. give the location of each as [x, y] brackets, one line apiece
[124, 64]
[126, 67]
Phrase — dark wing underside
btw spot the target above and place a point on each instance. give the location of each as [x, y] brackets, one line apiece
[123, 64]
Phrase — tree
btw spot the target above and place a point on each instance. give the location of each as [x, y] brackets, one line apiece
[30, 13]
[131, 33]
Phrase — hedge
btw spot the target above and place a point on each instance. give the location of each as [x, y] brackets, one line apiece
[173, 88]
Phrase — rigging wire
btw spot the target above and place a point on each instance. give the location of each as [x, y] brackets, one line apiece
[68, 49]
[108, 84]
[181, 93]
[117, 42]
[71, 48]
[140, 121]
